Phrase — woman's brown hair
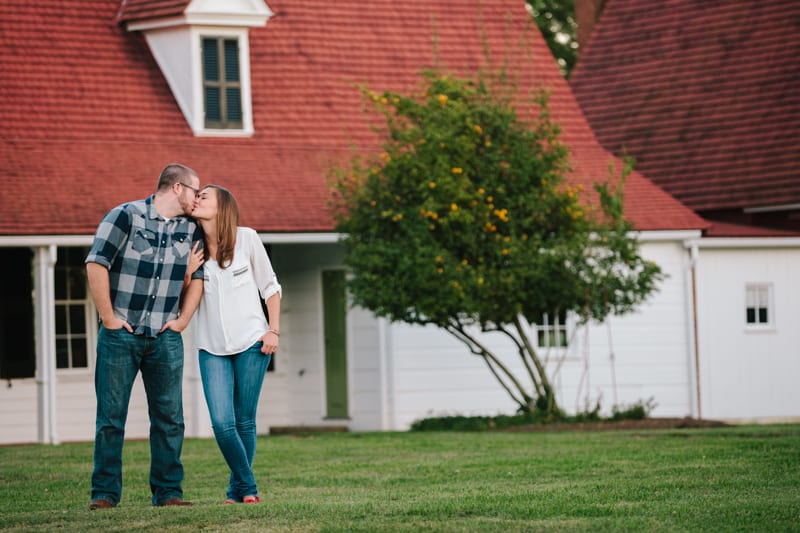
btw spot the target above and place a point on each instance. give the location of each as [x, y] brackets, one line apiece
[227, 222]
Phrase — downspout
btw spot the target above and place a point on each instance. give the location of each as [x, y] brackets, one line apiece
[694, 254]
[45, 327]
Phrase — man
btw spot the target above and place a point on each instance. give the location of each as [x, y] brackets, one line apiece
[136, 269]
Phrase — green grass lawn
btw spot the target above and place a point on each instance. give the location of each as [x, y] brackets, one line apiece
[722, 479]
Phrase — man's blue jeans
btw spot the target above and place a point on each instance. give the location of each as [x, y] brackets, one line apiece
[232, 385]
[120, 356]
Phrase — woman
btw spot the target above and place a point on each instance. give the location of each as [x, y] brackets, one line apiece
[233, 336]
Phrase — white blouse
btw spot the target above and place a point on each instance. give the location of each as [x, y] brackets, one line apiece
[229, 317]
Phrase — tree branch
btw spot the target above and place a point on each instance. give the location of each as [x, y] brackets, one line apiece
[539, 367]
[522, 351]
[457, 330]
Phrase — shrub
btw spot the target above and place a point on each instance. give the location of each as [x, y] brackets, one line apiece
[636, 411]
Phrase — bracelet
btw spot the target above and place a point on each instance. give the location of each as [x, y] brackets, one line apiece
[275, 331]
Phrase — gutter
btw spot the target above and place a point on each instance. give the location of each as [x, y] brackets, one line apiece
[743, 242]
[22, 241]
[301, 238]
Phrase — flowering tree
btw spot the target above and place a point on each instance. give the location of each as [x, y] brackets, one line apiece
[465, 221]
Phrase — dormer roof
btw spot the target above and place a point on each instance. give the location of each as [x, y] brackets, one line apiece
[150, 14]
[139, 10]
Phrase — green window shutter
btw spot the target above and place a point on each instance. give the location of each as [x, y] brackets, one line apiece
[234, 104]
[213, 105]
[231, 60]
[210, 60]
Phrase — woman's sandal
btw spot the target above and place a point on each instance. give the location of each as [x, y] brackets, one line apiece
[251, 499]
[229, 502]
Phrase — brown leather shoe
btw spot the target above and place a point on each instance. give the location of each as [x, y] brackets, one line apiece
[100, 504]
[174, 501]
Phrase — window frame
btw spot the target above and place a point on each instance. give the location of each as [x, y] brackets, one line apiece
[89, 318]
[222, 84]
[551, 331]
[758, 287]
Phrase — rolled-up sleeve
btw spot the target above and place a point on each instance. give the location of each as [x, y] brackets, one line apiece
[110, 237]
[263, 273]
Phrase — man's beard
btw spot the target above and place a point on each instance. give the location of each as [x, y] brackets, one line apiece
[187, 207]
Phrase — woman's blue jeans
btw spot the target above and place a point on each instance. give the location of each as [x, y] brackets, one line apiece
[232, 385]
[120, 356]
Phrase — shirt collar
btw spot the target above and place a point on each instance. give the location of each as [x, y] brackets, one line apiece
[152, 213]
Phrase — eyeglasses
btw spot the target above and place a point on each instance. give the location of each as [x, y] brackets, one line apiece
[196, 191]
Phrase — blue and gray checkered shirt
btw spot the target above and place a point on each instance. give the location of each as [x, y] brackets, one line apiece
[146, 256]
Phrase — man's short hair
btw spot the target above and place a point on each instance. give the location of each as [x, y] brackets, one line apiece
[174, 173]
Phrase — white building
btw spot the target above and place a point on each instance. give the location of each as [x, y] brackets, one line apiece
[91, 112]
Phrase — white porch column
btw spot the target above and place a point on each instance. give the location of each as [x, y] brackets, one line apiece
[45, 337]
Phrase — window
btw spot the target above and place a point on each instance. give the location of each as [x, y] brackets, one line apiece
[757, 303]
[222, 87]
[72, 309]
[552, 332]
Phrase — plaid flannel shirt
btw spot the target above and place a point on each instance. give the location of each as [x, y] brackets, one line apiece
[146, 256]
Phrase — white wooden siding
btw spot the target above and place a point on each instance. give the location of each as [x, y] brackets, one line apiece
[435, 375]
[747, 374]
[301, 371]
[18, 411]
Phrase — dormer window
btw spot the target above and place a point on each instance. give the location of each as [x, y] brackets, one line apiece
[222, 86]
[202, 48]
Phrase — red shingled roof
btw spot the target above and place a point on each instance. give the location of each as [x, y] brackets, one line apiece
[147, 9]
[87, 120]
[725, 229]
[703, 94]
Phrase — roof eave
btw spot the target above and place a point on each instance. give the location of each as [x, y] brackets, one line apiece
[201, 19]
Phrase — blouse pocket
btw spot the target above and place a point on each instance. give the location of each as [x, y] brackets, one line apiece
[241, 276]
